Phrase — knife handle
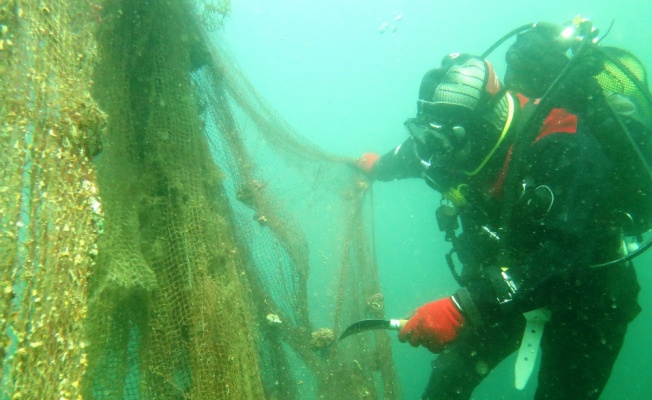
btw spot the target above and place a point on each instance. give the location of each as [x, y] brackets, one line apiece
[397, 324]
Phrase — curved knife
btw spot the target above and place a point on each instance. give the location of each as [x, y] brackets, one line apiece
[371, 324]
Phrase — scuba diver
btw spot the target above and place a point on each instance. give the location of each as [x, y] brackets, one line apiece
[532, 203]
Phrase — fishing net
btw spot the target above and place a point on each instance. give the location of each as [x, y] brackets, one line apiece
[50, 214]
[200, 250]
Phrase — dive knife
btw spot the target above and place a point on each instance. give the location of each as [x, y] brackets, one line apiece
[371, 324]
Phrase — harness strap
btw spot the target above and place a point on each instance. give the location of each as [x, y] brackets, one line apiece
[535, 321]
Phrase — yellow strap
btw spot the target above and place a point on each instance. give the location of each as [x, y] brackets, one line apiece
[456, 195]
[510, 115]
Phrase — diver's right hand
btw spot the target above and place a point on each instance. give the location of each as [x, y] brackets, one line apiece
[434, 325]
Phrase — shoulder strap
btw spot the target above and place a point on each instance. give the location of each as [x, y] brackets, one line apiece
[523, 137]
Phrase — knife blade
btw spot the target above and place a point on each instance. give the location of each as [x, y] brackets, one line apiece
[372, 324]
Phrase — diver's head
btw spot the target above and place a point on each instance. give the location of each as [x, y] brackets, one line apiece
[536, 59]
[462, 114]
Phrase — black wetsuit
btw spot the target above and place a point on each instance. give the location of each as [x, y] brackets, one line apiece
[560, 225]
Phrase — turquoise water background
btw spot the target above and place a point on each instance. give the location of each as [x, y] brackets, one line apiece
[346, 73]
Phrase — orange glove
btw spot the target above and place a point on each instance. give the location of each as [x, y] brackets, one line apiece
[367, 161]
[433, 326]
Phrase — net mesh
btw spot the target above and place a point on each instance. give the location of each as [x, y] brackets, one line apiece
[201, 250]
[50, 215]
[623, 74]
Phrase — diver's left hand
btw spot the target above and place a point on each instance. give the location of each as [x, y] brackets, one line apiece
[367, 161]
[433, 326]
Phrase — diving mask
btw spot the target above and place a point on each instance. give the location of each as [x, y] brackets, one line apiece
[437, 139]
